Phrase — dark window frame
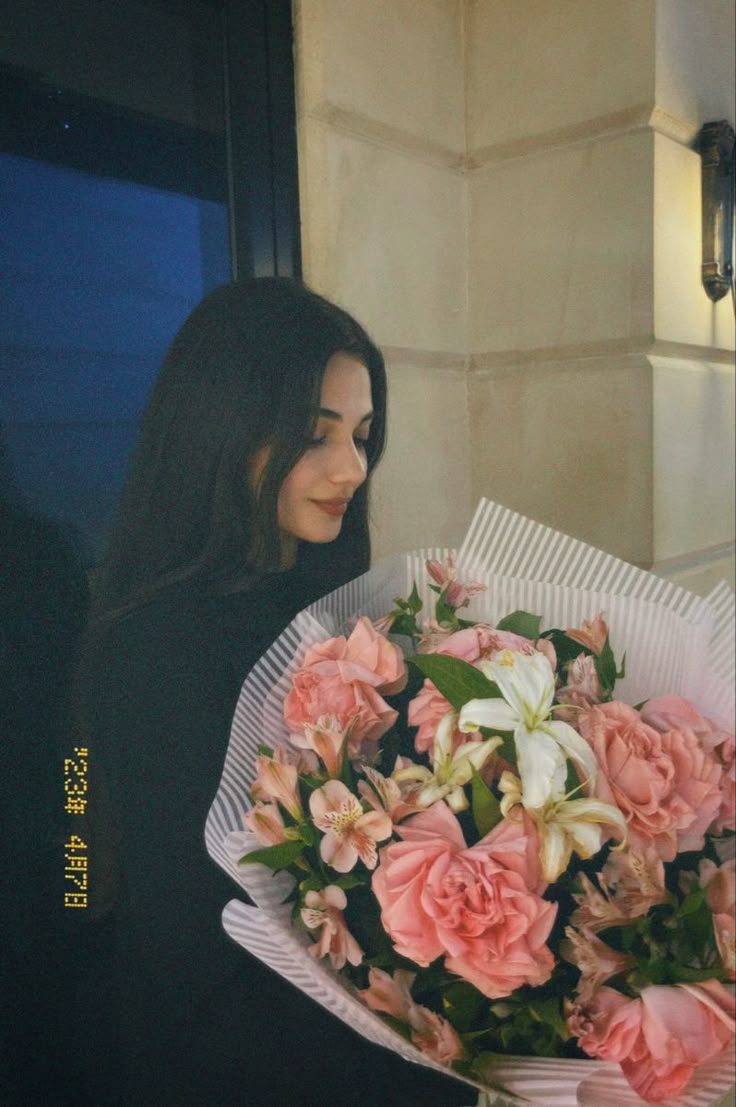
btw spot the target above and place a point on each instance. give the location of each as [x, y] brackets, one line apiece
[262, 150]
[255, 169]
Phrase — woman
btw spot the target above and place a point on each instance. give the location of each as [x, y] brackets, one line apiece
[247, 499]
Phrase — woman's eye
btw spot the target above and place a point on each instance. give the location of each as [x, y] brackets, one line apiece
[312, 442]
[360, 443]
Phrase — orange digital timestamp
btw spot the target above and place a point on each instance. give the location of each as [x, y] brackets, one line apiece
[75, 781]
[76, 859]
[75, 871]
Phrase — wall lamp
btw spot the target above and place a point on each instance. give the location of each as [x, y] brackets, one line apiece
[715, 144]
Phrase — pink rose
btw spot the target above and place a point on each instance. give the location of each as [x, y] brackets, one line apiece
[673, 713]
[605, 1023]
[342, 678]
[429, 706]
[666, 785]
[681, 1027]
[725, 752]
[472, 644]
[479, 907]
[660, 1038]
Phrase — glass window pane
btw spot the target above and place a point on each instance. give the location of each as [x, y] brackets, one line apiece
[113, 187]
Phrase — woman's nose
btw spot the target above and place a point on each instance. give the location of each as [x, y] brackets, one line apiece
[349, 465]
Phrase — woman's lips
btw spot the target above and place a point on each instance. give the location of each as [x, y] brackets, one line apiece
[332, 507]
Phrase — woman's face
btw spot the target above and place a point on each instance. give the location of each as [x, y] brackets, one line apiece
[316, 493]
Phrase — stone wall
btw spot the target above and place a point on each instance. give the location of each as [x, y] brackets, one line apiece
[507, 195]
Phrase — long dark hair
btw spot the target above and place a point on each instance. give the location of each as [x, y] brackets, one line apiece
[245, 371]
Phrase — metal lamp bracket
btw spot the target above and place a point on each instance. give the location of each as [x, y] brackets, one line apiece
[715, 144]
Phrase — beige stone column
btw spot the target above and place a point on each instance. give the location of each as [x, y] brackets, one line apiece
[601, 375]
[505, 191]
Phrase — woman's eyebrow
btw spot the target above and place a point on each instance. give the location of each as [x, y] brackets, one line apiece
[328, 413]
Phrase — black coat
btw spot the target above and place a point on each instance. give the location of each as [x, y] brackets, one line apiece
[163, 1007]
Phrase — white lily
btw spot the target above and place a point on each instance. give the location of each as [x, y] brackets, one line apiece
[564, 825]
[450, 771]
[527, 684]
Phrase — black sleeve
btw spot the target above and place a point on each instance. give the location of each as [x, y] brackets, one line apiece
[172, 1011]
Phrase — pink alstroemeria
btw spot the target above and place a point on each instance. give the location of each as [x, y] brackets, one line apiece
[592, 634]
[323, 911]
[430, 1032]
[385, 793]
[583, 688]
[349, 832]
[277, 780]
[630, 883]
[391, 994]
[444, 573]
[265, 821]
[384, 624]
[597, 961]
[434, 1036]
[328, 739]
[636, 876]
[719, 884]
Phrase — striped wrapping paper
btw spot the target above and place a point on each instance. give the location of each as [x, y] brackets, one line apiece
[674, 642]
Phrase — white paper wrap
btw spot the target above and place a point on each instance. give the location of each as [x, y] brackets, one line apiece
[674, 642]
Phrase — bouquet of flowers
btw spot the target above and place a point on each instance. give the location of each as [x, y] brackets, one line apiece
[487, 820]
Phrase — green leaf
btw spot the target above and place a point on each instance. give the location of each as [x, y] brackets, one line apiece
[348, 881]
[463, 1005]
[414, 601]
[523, 623]
[276, 857]
[444, 613]
[456, 680]
[605, 667]
[548, 1011]
[567, 649]
[346, 773]
[486, 808]
[681, 974]
[311, 884]
[396, 1024]
[405, 624]
[308, 834]
[691, 903]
